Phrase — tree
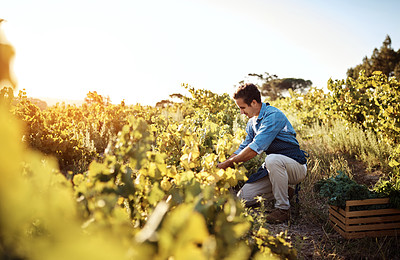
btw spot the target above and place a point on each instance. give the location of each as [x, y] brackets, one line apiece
[385, 60]
[274, 87]
[39, 103]
[94, 98]
[7, 53]
[164, 103]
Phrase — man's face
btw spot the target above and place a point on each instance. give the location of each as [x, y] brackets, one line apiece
[249, 111]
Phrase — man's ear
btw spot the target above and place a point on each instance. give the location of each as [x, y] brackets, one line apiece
[253, 103]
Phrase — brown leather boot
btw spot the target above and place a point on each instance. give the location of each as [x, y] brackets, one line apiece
[278, 216]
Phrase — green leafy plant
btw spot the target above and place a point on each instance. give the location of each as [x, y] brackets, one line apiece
[390, 188]
[340, 188]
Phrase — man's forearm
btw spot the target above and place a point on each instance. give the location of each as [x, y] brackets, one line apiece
[233, 155]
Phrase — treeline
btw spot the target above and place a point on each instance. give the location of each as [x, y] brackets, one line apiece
[384, 59]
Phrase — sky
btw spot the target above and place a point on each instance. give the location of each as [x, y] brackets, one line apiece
[143, 51]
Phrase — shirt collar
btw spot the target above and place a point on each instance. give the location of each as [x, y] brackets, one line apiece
[262, 111]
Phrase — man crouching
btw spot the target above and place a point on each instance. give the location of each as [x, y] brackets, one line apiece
[268, 130]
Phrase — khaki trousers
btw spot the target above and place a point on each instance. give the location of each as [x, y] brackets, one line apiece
[282, 171]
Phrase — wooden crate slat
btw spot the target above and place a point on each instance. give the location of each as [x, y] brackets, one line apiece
[337, 209]
[339, 230]
[339, 216]
[379, 219]
[372, 212]
[367, 202]
[373, 227]
[338, 222]
[365, 223]
[334, 207]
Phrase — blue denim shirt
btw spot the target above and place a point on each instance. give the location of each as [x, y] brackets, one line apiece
[271, 123]
[271, 132]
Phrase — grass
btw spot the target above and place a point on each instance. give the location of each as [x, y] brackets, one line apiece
[351, 141]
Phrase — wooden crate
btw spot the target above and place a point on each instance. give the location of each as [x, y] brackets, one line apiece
[365, 223]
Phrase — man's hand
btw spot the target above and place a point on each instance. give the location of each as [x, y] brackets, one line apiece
[245, 155]
[224, 165]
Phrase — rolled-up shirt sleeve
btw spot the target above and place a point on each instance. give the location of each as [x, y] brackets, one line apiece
[270, 127]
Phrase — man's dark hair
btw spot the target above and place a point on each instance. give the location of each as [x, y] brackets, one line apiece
[248, 92]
